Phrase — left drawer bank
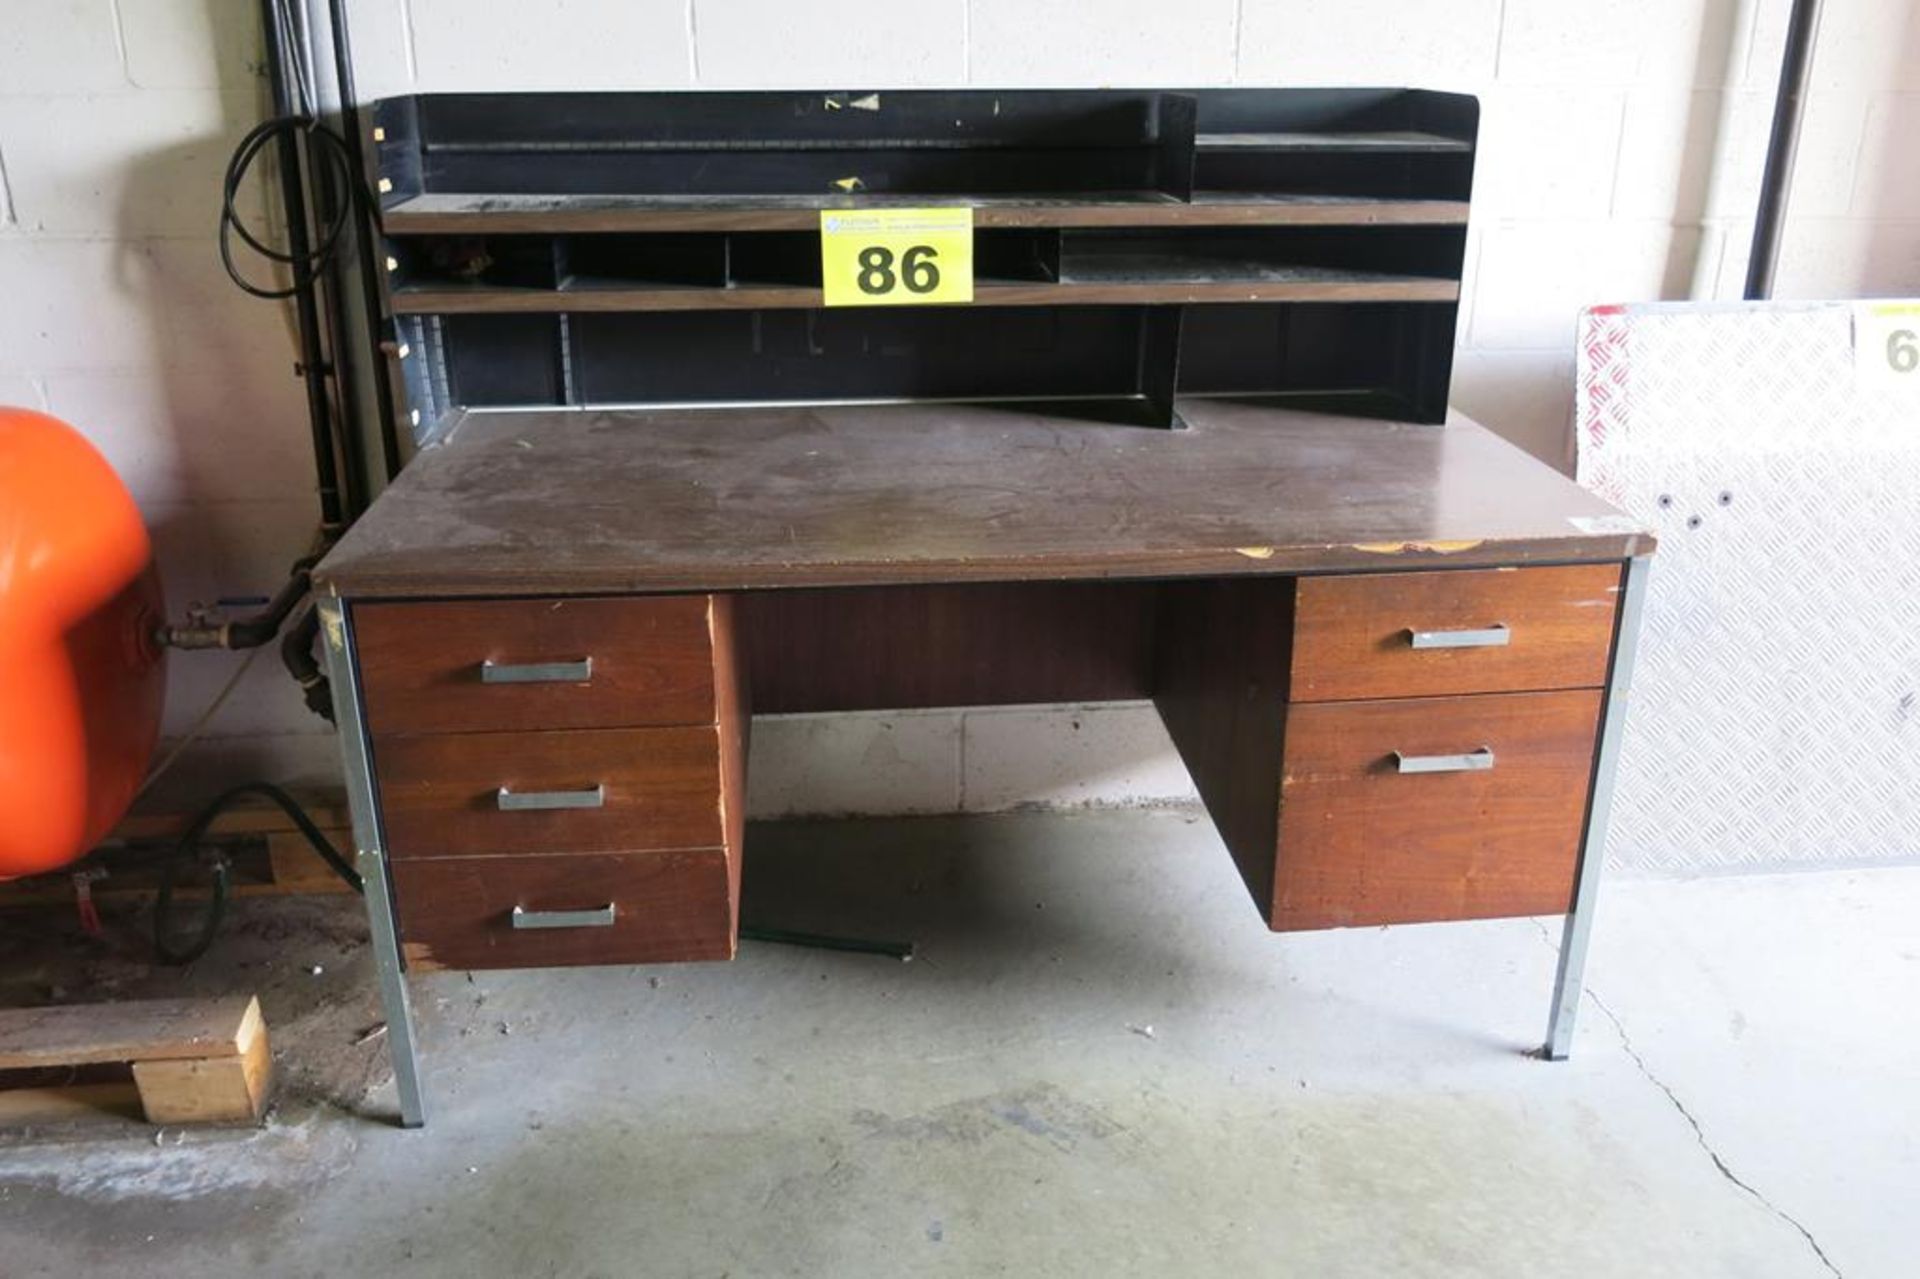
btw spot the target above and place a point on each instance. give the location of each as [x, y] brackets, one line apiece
[560, 780]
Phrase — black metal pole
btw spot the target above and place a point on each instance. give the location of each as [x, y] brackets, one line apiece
[353, 452]
[330, 287]
[312, 365]
[1795, 64]
[365, 247]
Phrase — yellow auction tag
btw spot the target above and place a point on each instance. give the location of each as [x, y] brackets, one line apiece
[1886, 346]
[896, 257]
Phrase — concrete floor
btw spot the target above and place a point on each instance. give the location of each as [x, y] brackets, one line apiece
[1100, 1063]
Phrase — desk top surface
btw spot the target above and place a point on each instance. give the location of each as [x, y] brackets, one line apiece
[610, 501]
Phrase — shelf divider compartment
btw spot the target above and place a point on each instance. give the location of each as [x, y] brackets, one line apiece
[476, 263]
[759, 144]
[1383, 359]
[1390, 145]
[1312, 263]
[671, 260]
[783, 259]
[860, 353]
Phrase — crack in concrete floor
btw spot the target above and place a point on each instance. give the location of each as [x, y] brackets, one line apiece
[1699, 1134]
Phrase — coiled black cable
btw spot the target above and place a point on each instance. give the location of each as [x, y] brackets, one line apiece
[163, 943]
[285, 130]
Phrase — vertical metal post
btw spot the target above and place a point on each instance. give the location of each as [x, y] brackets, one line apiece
[1789, 103]
[335, 488]
[366, 243]
[1569, 980]
[343, 673]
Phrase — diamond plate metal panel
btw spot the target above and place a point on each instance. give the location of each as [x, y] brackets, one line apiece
[1775, 716]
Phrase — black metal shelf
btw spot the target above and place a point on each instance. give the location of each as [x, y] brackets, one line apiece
[1256, 284]
[1130, 245]
[466, 213]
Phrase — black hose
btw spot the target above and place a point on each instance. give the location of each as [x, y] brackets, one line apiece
[163, 914]
[296, 654]
[252, 632]
[222, 872]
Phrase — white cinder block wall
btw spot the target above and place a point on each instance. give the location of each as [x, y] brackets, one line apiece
[1621, 149]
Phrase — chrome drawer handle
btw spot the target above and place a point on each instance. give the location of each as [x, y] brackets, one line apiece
[1479, 761]
[598, 918]
[580, 672]
[1495, 636]
[526, 801]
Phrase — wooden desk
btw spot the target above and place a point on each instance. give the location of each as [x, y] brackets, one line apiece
[1392, 656]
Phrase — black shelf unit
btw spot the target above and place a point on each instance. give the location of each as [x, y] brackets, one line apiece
[1131, 246]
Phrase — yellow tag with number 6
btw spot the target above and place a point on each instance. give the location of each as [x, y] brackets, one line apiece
[896, 257]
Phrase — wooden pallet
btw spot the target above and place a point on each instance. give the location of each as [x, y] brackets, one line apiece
[269, 855]
[191, 1061]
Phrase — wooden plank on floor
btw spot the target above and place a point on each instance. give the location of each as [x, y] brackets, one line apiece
[249, 816]
[269, 856]
[20, 1107]
[297, 868]
[148, 1030]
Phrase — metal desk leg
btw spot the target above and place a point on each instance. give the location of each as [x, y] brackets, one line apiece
[372, 862]
[393, 987]
[1569, 980]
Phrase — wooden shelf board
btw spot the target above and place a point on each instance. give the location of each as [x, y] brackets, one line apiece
[1398, 140]
[1151, 270]
[1269, 284]
[457, 214]
[1330, 210]
[152, 1030]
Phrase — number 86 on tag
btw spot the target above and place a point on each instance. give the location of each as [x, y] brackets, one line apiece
[896, 257]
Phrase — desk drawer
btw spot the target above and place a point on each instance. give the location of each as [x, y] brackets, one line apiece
[1470, 631]
[481, 665]
[1431, 809]
[593, 791]
[627, 908]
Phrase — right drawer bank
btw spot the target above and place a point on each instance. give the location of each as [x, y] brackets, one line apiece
[1433, 735]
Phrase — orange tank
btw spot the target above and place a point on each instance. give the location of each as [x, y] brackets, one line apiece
[82, 679]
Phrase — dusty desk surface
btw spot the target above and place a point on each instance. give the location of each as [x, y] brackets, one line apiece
[576, 501]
